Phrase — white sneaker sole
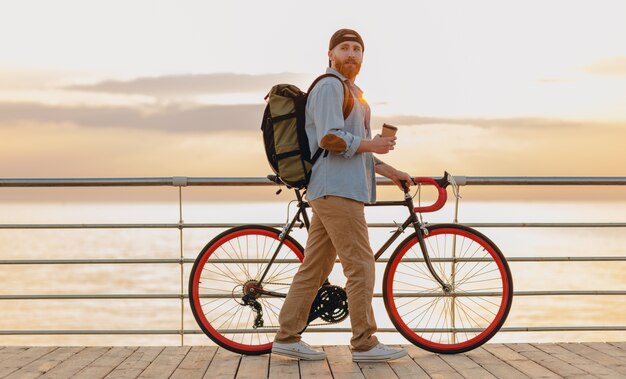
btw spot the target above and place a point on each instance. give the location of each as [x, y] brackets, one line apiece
[379, 358]
[298, 355]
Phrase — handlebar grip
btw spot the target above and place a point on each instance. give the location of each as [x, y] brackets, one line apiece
[441, 198]
[405, 188]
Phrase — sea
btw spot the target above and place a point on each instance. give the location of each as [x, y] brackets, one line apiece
[171, 314]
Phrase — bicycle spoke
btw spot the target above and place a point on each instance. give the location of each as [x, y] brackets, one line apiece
[414, 309]
[284, 275]
[419, 274]
[232, 277]
[209, 302]
[480, 305]
[470, 309]
[477, 274]
[237, 264]
[240, 255]
[411, 284]
[464, 281]
[472, 256]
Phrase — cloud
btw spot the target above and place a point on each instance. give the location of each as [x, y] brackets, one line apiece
[199, 84]
[513, 122]
[615, 66]
[241, 117]
[168, 118]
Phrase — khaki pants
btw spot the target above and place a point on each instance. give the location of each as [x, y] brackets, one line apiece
[339, 228]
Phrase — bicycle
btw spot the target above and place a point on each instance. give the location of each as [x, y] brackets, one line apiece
[451, 299]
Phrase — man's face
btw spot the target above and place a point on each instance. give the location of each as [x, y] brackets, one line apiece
[346, 58]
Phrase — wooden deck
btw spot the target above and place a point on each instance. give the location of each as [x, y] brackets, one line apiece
[582, 360]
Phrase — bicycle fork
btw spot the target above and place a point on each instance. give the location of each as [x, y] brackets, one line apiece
[420, 230]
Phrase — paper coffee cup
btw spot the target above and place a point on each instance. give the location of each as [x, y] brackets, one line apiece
[388, 130]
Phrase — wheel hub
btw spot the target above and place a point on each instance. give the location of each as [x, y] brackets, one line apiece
[251, 288]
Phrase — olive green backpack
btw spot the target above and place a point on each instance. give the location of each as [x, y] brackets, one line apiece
[284, 135]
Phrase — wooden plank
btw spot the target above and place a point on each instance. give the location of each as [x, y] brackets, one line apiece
[596, 356]
[76, 362]
[45, 363]
[581, 362]
[15, 362]
[315, 369]
[136, 363]
[224, 365]
[406, 367]
[432, 363]
[466, 367]
[608, 349]
[340, 362]
[253, 367]
[376, 370]
[196, 362]
[548, 361]
[284, 367]
[507, 354]
[491, 363]
[165, 363]
[102, 366]
[12, 351]
[621, 345]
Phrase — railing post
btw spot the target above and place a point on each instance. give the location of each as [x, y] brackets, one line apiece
[453, 273]
[182, 268]
[180, 182]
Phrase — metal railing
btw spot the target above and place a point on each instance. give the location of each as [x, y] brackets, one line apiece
[181, 260]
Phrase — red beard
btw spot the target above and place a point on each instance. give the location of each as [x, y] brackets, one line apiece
[350, 71]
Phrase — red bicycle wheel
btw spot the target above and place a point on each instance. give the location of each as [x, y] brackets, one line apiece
[226, 269]
[466, 317]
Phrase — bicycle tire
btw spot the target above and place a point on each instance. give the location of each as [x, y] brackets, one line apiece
[226, 282]
[481, 297]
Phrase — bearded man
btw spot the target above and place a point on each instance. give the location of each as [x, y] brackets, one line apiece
[342, 181]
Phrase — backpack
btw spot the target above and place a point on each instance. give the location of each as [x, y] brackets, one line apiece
[284, 134]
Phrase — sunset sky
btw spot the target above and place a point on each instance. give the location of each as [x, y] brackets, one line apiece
[165, 88]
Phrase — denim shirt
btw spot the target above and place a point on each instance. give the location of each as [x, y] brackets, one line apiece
[346, 174]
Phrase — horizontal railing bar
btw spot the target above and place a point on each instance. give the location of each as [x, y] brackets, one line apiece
[97, 297]
[285, 261]
[310, 330]
[545, 224]
[297, 225]
[129, 226]
[228, 296]
[92, 261]
[177, 181]
[545, 181]
[262, 181]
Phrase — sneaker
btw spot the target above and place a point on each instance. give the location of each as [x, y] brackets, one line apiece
[299, 350]
[379, 353]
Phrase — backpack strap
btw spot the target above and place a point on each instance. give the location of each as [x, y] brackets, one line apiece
[348, 100]
[348, 104]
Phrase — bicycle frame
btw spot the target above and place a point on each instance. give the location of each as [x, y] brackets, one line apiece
[420, 230]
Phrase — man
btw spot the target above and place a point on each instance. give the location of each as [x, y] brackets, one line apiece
[340, 184]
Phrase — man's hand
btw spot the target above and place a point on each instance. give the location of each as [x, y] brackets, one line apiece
[378, 144]
[396, 176]
[402, 176]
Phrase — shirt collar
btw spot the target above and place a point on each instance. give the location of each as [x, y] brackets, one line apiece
[331, 70]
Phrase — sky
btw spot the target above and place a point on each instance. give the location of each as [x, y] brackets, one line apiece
[170, 88]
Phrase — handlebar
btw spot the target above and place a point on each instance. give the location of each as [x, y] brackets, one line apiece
[440, 184]
[442, 195]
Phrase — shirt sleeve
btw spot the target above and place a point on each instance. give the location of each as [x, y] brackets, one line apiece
[325, 105]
